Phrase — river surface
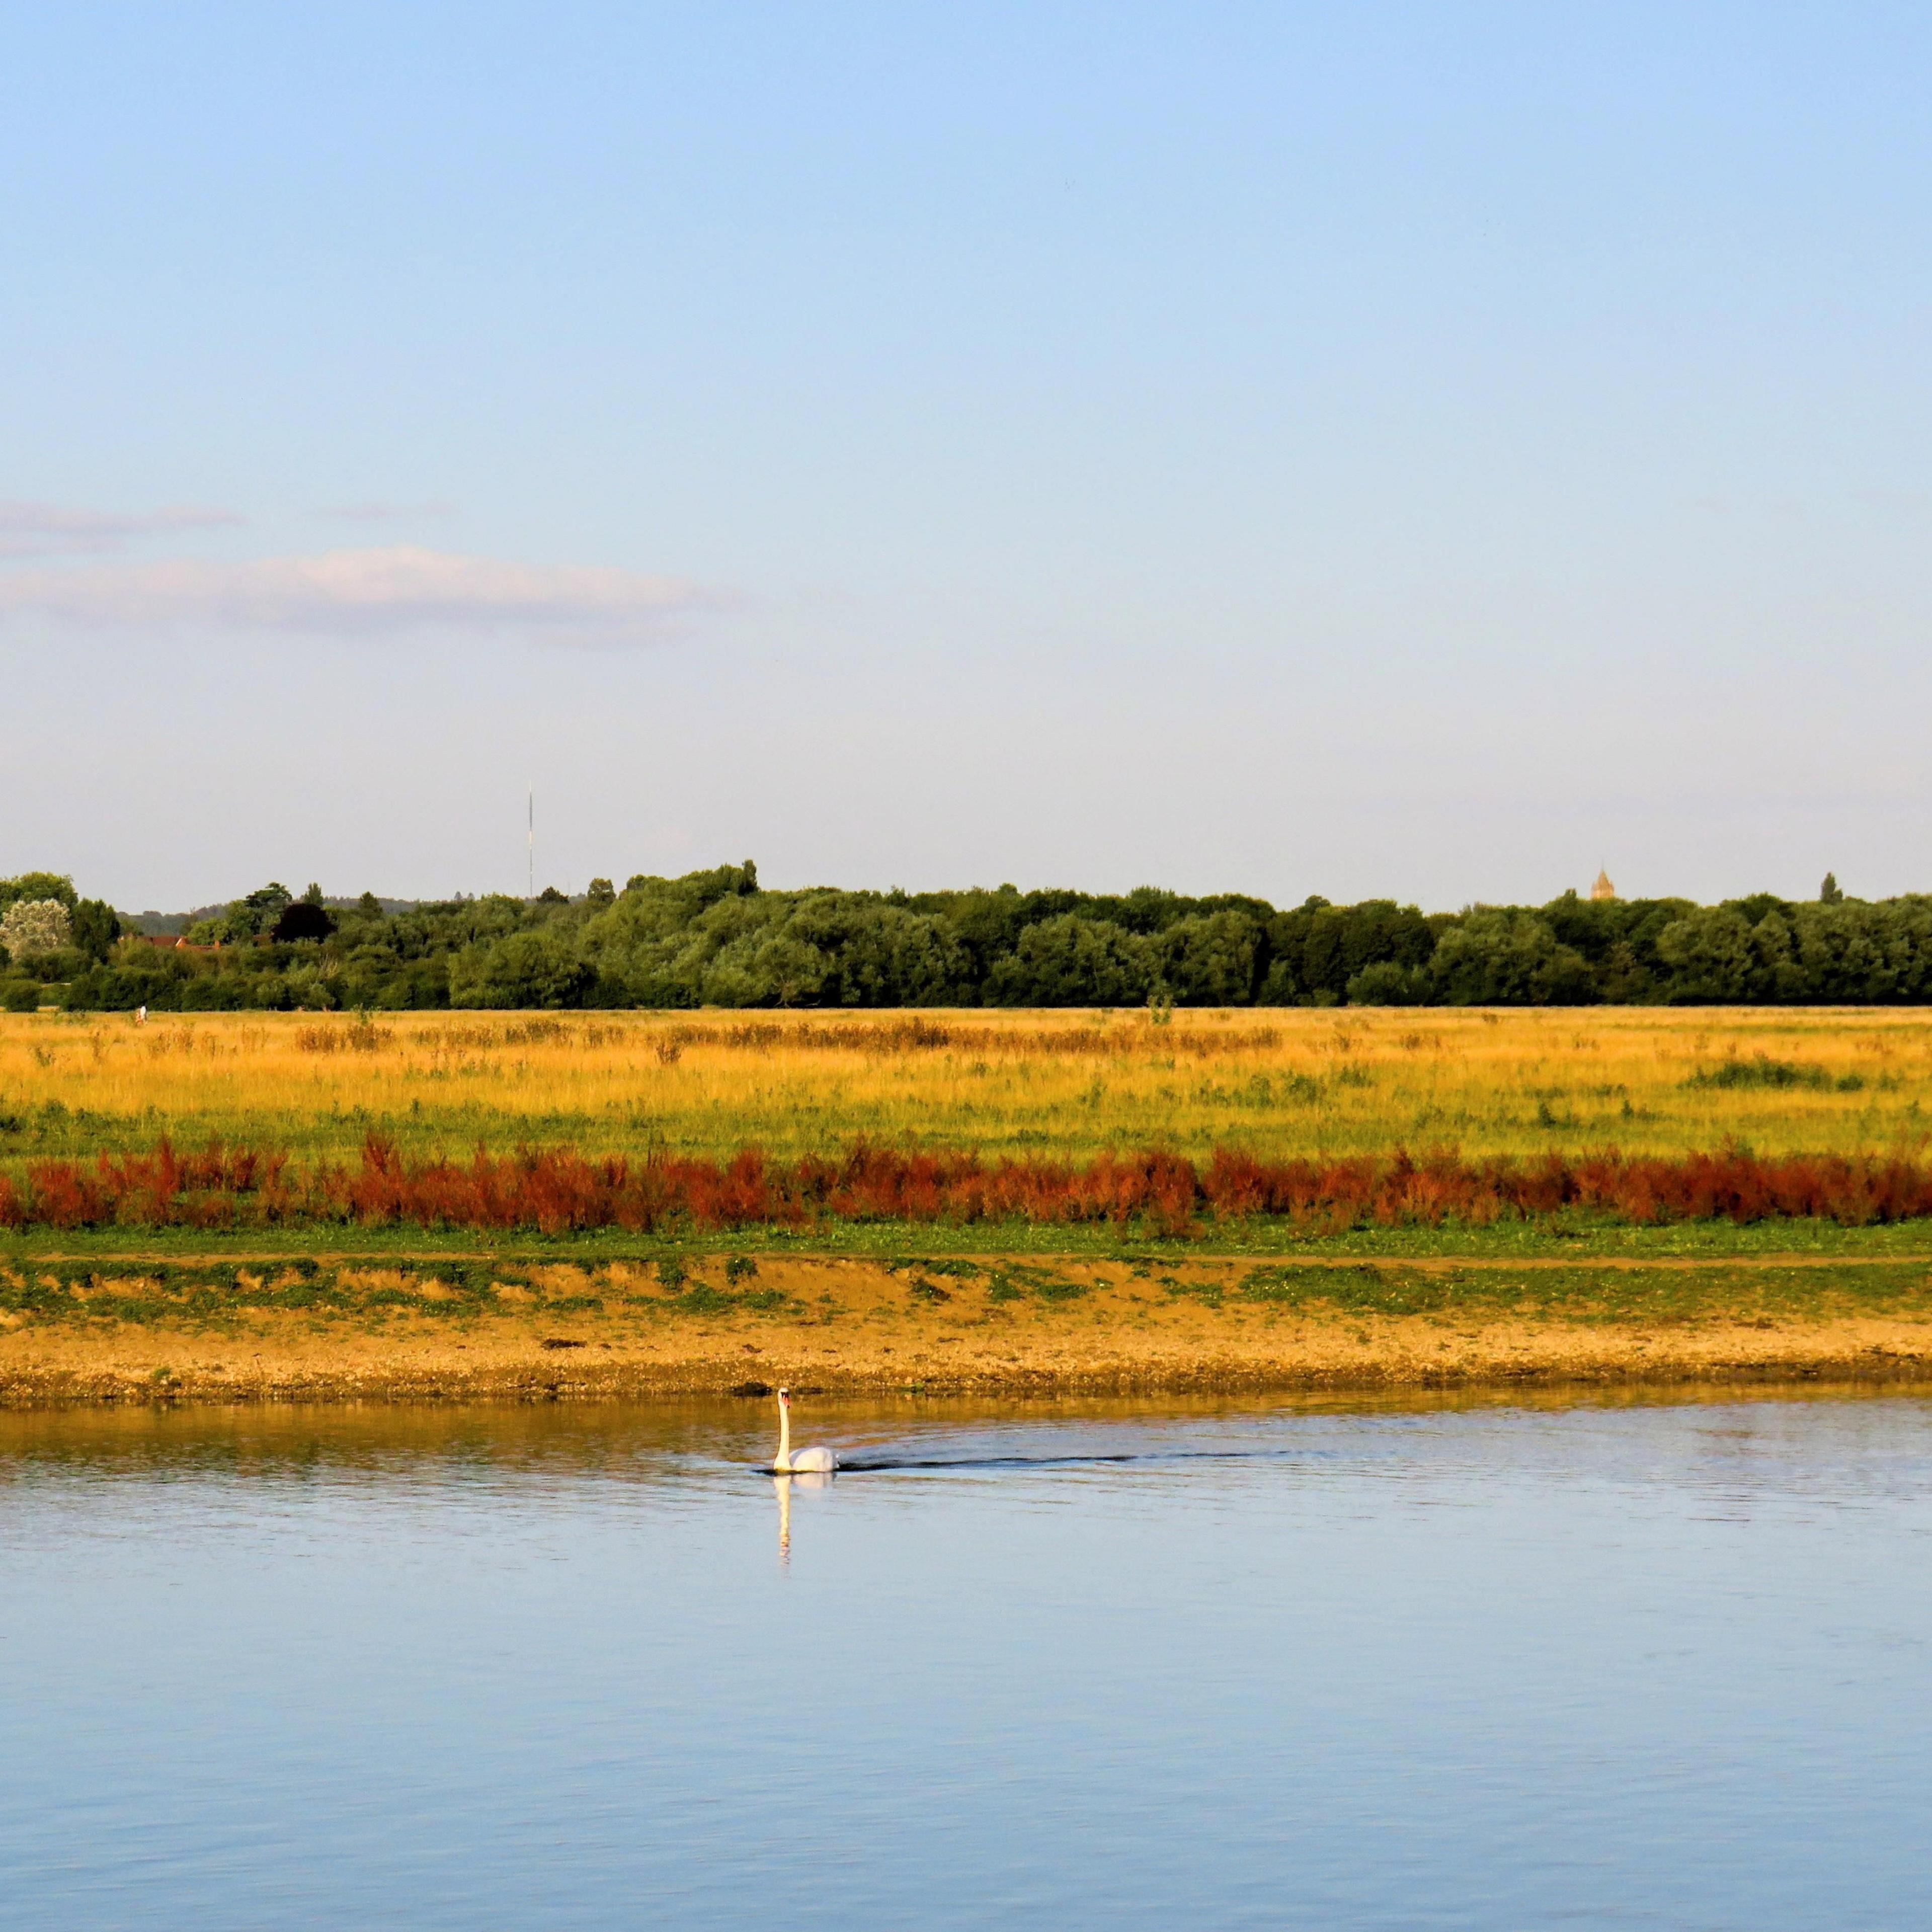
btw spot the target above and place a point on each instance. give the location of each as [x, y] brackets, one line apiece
[1658, 1662]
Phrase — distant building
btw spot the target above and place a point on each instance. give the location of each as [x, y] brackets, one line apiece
[1603, 889]
[169, 942]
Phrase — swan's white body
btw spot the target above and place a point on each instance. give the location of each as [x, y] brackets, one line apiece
[807, 1461]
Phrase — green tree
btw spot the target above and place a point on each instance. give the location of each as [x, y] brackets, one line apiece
[1710, 956]
[541, 968]
[248, 918]
[1849, 951]
[1386, 984]
[38, 886]
[878, 954]
[96, 925]
[1502, 956]
[1314, 951]
[766, 966]
[1070, 962]
[1210, 961]
[307, 918]
[34, 928]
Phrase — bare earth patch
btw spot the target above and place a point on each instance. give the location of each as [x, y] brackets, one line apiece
[987, 1325]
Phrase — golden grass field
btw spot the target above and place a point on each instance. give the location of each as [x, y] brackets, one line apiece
[1040, 1084]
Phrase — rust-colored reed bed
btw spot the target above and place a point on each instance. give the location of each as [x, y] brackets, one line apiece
[557, 1190]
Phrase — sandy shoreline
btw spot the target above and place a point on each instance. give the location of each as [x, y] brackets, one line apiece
[852, 1326]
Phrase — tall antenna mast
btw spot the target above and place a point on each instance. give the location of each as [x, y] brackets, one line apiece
[533, 839]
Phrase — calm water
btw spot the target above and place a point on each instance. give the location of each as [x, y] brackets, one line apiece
[1496, 1666]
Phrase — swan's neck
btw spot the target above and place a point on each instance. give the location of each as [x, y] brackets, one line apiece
[783, 1459]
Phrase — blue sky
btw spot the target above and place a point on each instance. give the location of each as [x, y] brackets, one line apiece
[1426, 451]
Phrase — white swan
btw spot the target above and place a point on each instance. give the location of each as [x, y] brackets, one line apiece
[820, 1462]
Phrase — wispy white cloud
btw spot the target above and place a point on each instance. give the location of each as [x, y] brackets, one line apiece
[383, 513]
[58, 529]
[360, 591]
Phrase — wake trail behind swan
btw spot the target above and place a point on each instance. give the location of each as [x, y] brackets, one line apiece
[884, 1466]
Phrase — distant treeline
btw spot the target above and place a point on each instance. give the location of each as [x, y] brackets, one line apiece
[716, 939]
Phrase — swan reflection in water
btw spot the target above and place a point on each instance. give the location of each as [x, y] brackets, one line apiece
[810, 1479]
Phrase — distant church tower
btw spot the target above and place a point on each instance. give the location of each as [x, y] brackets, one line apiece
[1603, 889]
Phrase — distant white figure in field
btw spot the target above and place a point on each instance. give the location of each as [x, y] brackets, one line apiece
[814, 1461]
[140, 1016]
